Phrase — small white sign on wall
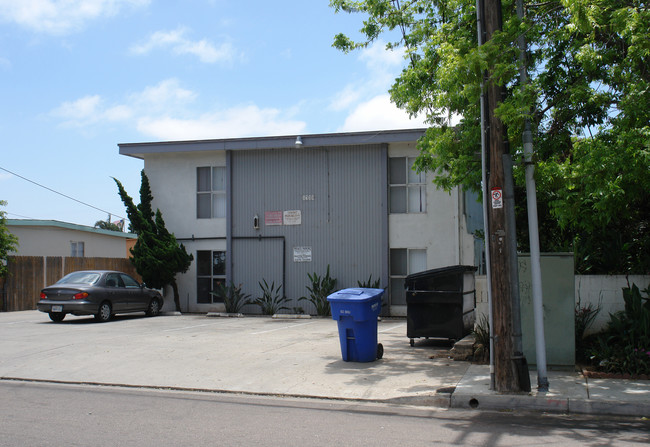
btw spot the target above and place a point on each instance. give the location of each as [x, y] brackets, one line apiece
[292, 217]
[301, 254]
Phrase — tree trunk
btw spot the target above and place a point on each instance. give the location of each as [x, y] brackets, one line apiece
[177, 298]
[506, 378]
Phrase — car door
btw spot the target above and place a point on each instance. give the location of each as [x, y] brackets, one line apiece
[116, 292]
[137, 299]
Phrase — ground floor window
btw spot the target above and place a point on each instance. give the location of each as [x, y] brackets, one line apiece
[403, 262]
[210, 271]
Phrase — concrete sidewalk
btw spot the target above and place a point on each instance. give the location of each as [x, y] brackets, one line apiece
[569, 392]
[280, 357]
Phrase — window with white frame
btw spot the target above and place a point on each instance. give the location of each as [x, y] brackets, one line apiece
[77, 249]
[210, 192]
[407, 187]
[210, 271]
[403, 262]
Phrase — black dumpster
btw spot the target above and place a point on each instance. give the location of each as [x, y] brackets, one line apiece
[440, 303]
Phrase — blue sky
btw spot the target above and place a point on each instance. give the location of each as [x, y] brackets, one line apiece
[80, 76]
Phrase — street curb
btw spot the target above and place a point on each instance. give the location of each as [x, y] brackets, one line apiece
[413, 404]
[544, 404]
[508, 402]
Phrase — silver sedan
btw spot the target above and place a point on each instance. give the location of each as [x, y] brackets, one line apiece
[102, 293]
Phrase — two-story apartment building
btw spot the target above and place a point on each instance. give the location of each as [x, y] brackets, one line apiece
[280, 208]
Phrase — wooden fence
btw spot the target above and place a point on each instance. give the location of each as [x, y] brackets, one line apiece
[27, 275]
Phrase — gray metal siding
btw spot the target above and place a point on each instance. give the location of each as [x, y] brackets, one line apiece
[344, 225]
[254, 260]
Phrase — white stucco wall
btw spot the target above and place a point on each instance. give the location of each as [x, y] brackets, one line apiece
[172, 178]
[175, 174]
[440, 230]
[55, 241]
[604, 291]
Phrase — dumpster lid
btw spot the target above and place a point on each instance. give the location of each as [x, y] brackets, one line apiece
[441, 271]
[355, 294]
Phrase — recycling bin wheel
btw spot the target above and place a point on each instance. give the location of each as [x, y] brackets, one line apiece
[380, 350]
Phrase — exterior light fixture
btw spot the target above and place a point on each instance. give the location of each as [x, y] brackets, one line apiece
[298, 142]
[256, 222]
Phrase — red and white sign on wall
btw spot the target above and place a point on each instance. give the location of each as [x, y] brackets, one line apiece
[273, 218]
[497, 198]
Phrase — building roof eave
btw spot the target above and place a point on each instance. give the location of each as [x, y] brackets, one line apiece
[139, 150]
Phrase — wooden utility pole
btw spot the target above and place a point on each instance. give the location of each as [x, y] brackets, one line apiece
[506, 377]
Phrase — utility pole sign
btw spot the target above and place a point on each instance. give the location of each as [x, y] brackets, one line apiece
[497, 198]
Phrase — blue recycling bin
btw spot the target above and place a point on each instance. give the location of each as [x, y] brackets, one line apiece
[356, 311]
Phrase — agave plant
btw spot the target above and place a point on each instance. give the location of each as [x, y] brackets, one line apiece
[271, 301]
[232, 297]
[369, 284]
[321, 287]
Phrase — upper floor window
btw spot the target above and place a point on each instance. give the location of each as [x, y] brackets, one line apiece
[76, 249]
[407, 187]
[210, 192]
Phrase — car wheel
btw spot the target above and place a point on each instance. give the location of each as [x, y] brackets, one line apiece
[154, 308]
[104, 313]
[57, 316]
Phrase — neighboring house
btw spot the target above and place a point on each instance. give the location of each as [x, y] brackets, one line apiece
[280, 208]
[54, 238]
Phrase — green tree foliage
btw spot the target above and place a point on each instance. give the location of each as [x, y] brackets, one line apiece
[157, 256]
[107, 225]
[588, 100]
[8, 242]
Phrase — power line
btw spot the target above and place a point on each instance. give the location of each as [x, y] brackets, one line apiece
[18, 215]
[61, 194]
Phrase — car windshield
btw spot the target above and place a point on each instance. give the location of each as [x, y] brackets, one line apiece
[80, 278]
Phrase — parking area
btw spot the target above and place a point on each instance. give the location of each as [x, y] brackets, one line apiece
[259, 355]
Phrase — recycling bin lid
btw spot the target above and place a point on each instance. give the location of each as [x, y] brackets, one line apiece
[357, 294]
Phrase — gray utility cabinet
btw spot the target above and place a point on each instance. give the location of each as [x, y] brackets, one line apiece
[440, 303]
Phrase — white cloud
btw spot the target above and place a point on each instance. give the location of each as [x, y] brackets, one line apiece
[80, 112]
[179, 44]
[382, 66]
[245, 121]
[118, 113]
[149, 110]
[379, 113]
[164, 94]
[61, 16]
[367, 99]
[345, 98]
[377, 57]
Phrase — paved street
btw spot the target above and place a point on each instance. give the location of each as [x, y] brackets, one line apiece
[53, 414]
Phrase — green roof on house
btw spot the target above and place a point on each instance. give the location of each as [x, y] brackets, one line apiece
[67, 226]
